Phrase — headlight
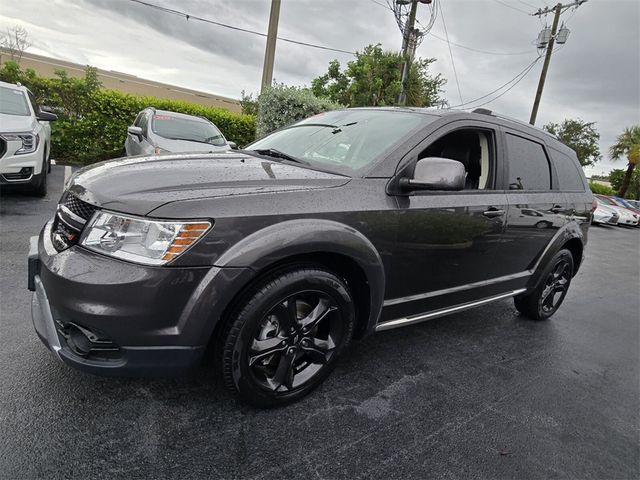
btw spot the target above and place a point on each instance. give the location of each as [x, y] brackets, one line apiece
[29, 141]
[140, 240]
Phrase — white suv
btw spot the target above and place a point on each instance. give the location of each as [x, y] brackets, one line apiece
[25, 139]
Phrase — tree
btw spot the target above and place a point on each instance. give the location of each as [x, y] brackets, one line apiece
[15, 40]
[580, 136]
[373, 79]
[249, 104]
[281, 105]
[616, 178]
[627, 144]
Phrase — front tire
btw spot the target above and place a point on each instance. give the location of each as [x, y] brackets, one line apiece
[285, 336]
[547, 297]
[40, 181]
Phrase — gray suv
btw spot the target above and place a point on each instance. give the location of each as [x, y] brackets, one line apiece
[160, 131]
[274, 258]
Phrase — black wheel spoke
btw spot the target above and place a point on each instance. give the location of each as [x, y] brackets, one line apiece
[317, 315]
[317, 351]
[285, 317]
[284, 373]
[264, 348]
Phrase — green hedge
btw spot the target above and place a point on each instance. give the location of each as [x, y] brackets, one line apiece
[92, 122]
[601, 189]
[100, 133]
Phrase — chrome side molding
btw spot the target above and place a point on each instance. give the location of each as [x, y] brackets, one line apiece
[401, 322]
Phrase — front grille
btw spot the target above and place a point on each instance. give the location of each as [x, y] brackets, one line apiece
[3, 147]
[67, 229]
[82, 209]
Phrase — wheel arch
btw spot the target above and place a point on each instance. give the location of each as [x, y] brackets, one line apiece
[570, 237]
[329, 244]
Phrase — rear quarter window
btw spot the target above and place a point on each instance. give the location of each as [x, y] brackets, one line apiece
[528, 164]
[569, 175]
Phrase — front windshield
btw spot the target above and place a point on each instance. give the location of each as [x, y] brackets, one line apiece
[343, 140]
[13, 102]
[179, 128]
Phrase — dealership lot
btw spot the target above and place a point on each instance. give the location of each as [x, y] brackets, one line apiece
[484, 393]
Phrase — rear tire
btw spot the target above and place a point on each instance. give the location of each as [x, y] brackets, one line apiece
[285, 335]
[547, 297]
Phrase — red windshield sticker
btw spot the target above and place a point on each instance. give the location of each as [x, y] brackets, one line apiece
[162, 117]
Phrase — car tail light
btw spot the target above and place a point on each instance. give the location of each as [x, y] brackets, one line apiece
[594, 205]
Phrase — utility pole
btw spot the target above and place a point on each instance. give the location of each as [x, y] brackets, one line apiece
[408, 50]
[558, 10]
[270, 52]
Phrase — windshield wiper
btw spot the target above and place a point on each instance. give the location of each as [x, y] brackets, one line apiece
[189, 140]
[274, 153]
[336, 128]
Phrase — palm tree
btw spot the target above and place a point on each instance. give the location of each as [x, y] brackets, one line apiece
[627, 143]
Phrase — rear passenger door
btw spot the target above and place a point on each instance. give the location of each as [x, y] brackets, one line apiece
[536, 209]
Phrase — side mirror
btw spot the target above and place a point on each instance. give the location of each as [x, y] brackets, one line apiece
[232, 145]
[133, 130]
[435, 173]
[45, 116]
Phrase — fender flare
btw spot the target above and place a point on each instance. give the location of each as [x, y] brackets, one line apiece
[566, 233]
[291, 238]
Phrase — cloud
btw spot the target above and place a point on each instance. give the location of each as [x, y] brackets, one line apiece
[595, 76]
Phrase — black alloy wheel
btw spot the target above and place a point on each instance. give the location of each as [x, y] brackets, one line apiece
[555, 287]
[295, 340]
[287, 337]
[547, 297]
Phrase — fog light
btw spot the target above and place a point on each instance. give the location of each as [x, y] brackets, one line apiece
[80, 339]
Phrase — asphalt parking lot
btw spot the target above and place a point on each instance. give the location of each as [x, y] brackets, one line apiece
[481, 394]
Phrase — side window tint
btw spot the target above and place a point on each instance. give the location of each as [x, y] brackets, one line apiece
[471, 147]
[569, 178]
[138, 119]
[528, 165]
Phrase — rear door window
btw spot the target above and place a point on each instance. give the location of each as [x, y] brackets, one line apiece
[528, 164]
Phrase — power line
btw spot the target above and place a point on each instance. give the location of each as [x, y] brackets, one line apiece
[508, 89]
[527, 4]
[520, 75]
[511, 7]
[188, 16]
[527, 52]
[453, 63]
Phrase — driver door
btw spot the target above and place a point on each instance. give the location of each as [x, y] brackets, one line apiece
[447, 242]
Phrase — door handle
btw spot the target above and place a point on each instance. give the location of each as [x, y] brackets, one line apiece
[493, 212]
[556, 208]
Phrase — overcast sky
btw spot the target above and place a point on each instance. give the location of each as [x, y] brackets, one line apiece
[595, 76]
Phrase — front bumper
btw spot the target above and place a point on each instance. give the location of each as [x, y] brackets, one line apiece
[137, 320]
[12, 165]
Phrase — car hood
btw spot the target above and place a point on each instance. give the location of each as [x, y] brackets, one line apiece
[16, 123]
[188, 146]
[138, 185]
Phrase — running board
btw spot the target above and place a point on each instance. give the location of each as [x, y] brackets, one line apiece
[401, 322]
